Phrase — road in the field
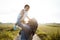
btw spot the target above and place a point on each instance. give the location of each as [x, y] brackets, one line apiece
[35, 37]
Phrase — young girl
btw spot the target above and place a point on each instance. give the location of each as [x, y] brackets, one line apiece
[22, 15]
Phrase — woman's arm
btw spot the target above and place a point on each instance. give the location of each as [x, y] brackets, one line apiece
[22, 26]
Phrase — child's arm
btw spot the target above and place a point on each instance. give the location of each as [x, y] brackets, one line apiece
[22, 13]
[28, 17]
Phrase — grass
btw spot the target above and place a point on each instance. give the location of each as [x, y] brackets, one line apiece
[7, 33]
[48, 32]
[45, 32]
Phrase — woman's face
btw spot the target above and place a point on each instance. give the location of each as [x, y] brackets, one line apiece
[30, 22]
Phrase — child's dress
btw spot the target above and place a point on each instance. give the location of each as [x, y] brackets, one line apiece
[19, 19]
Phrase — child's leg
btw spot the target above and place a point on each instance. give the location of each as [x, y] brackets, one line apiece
[16, 25]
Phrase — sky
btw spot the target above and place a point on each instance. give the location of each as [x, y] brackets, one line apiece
[44, 11]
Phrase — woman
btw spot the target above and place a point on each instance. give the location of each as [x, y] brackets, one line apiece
[28, 29]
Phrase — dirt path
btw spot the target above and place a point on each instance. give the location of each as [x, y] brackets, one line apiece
[35, 37]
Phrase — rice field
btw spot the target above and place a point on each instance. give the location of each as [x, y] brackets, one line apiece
[7, 32]
[44, 31]
[49, 32]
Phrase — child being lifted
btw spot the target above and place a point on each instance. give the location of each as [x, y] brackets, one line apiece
[22, 15]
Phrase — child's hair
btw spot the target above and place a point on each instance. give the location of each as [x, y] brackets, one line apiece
[26, 6]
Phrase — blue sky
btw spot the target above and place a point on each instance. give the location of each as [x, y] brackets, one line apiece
[45, 11]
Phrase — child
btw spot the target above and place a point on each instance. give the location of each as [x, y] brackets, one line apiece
[22, 15]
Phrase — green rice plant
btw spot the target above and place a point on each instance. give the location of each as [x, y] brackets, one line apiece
[55, 36]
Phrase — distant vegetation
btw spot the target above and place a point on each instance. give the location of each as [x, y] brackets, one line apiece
[53, 24]
[0, 22]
